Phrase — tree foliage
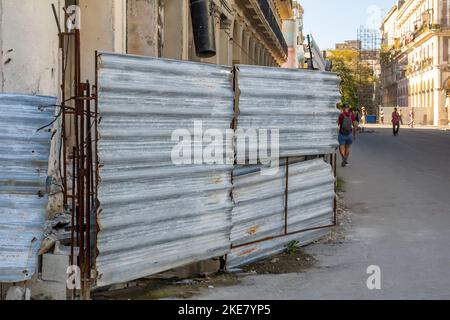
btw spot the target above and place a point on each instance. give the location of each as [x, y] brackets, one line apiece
[353, 74]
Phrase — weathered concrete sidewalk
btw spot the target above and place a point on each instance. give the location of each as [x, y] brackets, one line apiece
[398, 191]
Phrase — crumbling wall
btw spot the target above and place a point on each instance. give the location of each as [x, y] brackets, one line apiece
[142, 27]
[28, 47]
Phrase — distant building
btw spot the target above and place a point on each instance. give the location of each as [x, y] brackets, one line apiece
[293, 33]
[416, 59]
[349, 45]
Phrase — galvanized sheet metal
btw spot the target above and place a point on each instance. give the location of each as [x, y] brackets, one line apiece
[156, 216]
[300, 103]
[258, 251]
[259, 207]
[24, 156]
[311, 195]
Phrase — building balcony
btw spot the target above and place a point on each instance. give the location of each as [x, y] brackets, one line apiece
[285, 8]
[271, 20]
[265, 19]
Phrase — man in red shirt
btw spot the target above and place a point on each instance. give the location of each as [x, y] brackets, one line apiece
[396, 122]
[347, 132]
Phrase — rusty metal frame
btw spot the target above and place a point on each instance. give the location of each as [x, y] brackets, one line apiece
[81, 199]
[332, 161]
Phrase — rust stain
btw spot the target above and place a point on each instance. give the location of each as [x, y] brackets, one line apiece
[252, 231]
[246, 252]
[217, 180]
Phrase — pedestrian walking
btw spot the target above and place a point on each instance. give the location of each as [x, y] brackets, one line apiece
[347, 132]
[357, 119]
[382, 117]
[411, 118]
[363, 116]
[396, 122]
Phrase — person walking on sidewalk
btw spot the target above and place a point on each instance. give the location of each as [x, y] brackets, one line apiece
[395, 122]
[411, 118]
[357, 119]
[347, 132]
[363, 116]
[382, 117]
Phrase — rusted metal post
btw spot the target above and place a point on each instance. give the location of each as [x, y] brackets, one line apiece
[63, 119]
[83, 195]
[88, 192]
[72, 214]
[97, 162]
[286, 198]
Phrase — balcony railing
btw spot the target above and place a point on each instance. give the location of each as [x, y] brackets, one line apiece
[266, 9]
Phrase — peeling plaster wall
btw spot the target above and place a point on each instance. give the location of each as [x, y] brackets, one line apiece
[176, 14]
[29, 58]
[103, 28]
[142, 27]
[28, 47]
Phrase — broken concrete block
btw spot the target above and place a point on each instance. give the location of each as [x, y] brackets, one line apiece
[64, 250]
[54, 267]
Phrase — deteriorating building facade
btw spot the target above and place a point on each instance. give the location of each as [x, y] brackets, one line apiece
[415, 57]
[293, 33]
[246, 32]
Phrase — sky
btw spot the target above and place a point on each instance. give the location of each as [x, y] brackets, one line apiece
[333, 21]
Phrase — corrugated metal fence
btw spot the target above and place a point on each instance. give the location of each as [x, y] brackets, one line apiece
[263, 213]
[155, 215]
[24, 156]
[298, 203]
[300, 103]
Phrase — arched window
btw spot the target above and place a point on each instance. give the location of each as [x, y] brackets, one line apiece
[447, 87]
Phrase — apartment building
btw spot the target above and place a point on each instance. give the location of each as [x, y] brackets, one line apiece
[245, 31]
[415, 59]
[293, 33]
[349, 45]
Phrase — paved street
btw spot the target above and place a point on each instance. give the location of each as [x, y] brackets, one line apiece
[398, 190]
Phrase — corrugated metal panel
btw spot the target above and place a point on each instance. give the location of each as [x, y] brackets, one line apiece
[258, 251]
[311, 195]
[300, 103]
[259, 210]
[154, 215]
[24, 156]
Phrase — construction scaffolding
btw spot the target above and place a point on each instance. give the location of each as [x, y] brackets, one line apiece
[369, 69]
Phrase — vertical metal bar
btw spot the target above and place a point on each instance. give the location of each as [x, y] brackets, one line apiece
[79, 133]
[73, 214]
[286, 198]
[72, 210]
[97, 162]
[63, 119]
[236, 97]
[88, 180]
[55, 14]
